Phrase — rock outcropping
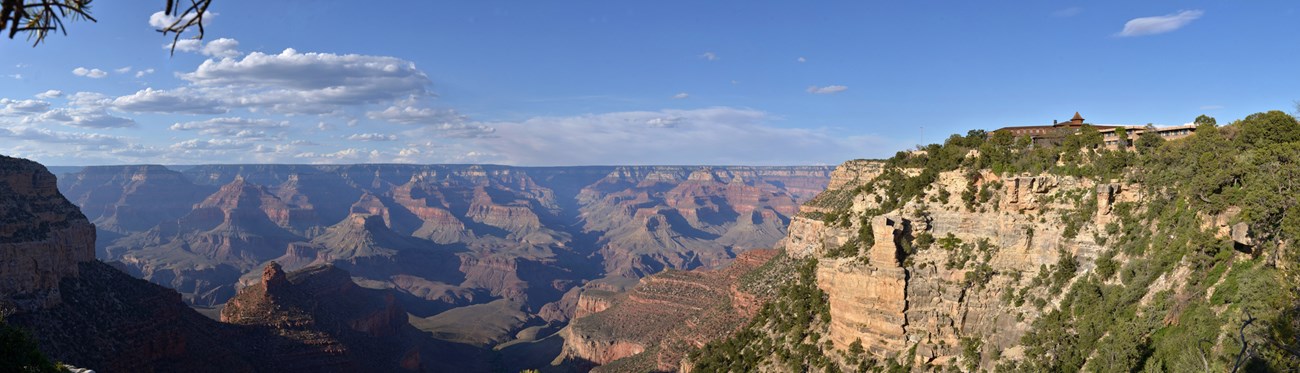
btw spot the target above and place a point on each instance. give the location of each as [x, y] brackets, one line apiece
[654, 325]
[892, 299]
[43, 237]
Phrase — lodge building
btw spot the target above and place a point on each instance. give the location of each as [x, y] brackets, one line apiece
[1051, 134]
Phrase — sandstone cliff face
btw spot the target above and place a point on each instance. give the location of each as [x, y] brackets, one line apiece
[43, 237]
[853, 173]
[653, 326]
[892, 300]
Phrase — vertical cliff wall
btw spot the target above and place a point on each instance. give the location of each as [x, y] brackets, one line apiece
[42, 237]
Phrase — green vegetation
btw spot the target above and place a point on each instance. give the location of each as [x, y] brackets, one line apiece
[1166, 293]
[786, 332]
[18, 353]
[1109, 327]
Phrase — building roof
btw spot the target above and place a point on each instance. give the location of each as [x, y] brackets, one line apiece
[1077, 117]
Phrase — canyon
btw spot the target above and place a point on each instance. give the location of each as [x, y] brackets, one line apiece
[510, 247]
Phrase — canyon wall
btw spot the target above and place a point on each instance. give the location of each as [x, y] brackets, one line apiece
[443, 236]
[932, 297]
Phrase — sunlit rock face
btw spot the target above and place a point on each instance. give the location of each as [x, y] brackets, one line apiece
[892, 300]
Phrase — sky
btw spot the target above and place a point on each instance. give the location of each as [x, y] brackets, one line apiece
[555, 83]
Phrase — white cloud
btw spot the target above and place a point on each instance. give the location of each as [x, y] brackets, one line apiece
[58, 137]
[151, 100]
[223, 48]
[827, 90]
[407, 113]
[372, 137]
[142, 73]
[16, 76]
[217, 144]
[220, 48]
[123, 70]
[718, 135]
[89, 73]
[234, 127]
[349, 155]
[160, 20]
[81, 117]
[453, 130]
[230, 122]
[22, 107]
[681, 95]
[185, 45]
[308, 83]
[53, 93]
[1159, 24]
[89, 100]
[801, 60]
[709, 56]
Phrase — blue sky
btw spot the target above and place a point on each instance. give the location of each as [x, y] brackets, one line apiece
[600, 82]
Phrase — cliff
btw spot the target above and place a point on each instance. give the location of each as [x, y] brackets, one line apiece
[43, 237]
[987, 253]
[316, 319]
[84, 312]
[652, 326]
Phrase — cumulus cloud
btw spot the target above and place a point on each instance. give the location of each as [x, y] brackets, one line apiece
[42, 135]
[234, 127]
[372, 137]
[123, 70]
[349, 155]
[22, 107]
[681, 95]
[718, 135]
[142, 73]
[212, 144]
[830, 89]
[407, 113]
[81, 117]
[220, 48]
[151, 100]
[53, 93]
[230, 122]
[161, 20]
[1159, 24]
[89, 100]
[709, 56]
[309, 83]
[89, 73]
